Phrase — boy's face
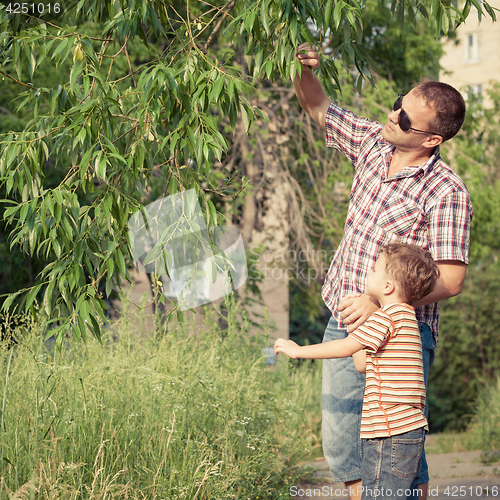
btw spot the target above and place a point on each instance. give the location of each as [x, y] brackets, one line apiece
[377, 279]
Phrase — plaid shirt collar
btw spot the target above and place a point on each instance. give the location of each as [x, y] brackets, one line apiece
[410, 170]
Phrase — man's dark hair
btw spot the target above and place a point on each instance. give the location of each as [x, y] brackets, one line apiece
[448, 103]
[412, 268]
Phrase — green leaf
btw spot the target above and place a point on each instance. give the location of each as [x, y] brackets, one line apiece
[212, 214]
[490, 11]
[49, 203]
[23, 213]
[109, 286]
[264, 16]
[95, 327]
[120, 261]
[230, 89]
[269, 67]
[477, 4]
[30, 297]
[75, 73]
[47, 298]
[359, 84]
[258, 58]
[81, 329]
[58, 197]
[60, 48]
[100, 167]
[17, 59]
[446, 23]
[350, 18]
[337, 14]
[61, 333]
[30, 59]
[110, 265]
[216, 91]
[245, 118]
[233, 116]
[328, 14]
[45, 150]
[293, 28]
[10, 299]
[12, 153]
[10, 211]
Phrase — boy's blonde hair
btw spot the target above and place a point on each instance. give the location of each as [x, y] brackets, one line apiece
[412, 268]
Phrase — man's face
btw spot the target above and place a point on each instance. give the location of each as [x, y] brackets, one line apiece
[420, 115]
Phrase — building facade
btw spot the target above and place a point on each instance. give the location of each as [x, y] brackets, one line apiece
[472, 60]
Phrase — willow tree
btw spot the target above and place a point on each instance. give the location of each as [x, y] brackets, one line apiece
[114, 136]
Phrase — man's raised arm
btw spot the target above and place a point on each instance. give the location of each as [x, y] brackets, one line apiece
[308, 88]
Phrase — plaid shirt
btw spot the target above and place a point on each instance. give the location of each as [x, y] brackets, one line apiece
[426, 205]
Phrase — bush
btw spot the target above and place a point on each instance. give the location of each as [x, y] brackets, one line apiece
[194, 413]
[484, 427]
[468, 353]
[482, 432]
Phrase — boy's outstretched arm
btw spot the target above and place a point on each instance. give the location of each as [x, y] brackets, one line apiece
[340, 348]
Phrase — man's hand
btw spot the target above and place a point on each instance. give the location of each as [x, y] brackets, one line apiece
[308, 56]
[288, 347]
[355, 309]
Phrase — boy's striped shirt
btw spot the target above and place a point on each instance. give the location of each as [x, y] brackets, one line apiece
[394, 399]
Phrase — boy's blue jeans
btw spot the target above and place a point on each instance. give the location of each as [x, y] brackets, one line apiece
[391, 466]
[342, 400]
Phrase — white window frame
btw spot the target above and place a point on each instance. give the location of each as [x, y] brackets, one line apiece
[472, 50]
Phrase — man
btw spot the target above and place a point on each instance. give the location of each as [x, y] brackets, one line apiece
[403, 191]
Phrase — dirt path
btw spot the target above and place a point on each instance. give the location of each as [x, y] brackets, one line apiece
[452, 476]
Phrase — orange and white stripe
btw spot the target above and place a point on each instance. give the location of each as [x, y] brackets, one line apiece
[394, 399]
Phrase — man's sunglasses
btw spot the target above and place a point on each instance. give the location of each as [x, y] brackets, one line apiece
[403, 120]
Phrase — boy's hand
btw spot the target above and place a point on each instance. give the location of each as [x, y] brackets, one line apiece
[308, 56]
[288, 347]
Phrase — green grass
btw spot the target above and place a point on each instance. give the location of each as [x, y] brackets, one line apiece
[193, 413]
[483, 432]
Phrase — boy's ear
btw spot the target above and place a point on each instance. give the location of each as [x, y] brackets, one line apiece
[389, 287]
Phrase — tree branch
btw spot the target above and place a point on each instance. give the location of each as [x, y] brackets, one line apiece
[229, 8]
[17, 81]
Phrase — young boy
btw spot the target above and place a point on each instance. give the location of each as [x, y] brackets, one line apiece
[388, 348]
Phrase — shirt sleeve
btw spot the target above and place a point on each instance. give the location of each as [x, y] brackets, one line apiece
[449, 222]
[346, 131]
[374, 331]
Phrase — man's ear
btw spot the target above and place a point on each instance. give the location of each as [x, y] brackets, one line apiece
[433, 141]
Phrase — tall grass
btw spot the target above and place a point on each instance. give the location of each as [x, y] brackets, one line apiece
[483, 430]
[484, 427]
[194, 413]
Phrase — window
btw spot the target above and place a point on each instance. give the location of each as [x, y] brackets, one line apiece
[472, 52]
[475, 91]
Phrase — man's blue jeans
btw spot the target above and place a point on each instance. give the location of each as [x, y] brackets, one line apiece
[343, 389]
